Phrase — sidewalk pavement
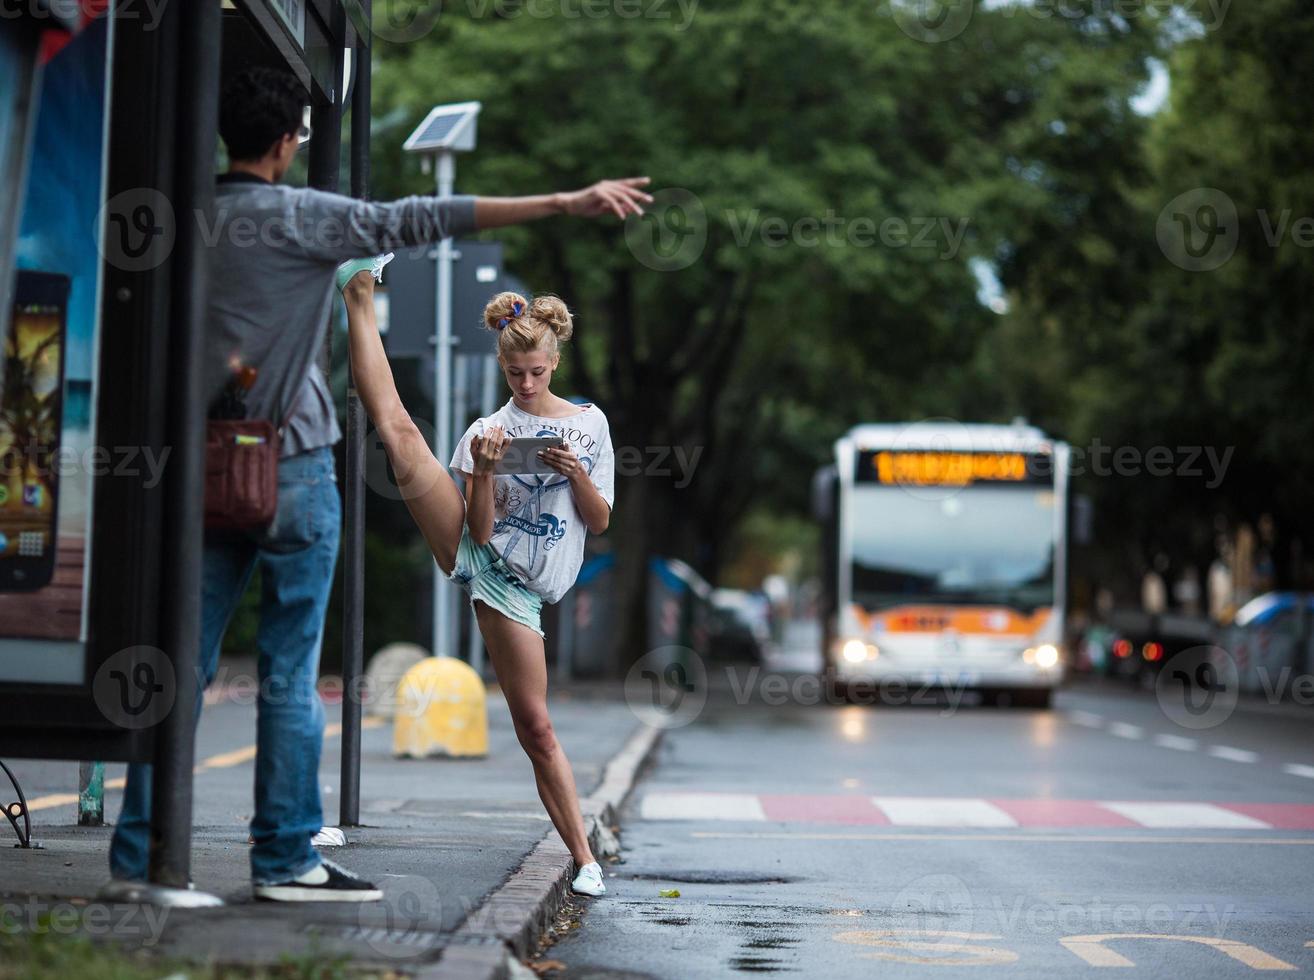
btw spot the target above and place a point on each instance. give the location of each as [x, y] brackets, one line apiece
[468, 862]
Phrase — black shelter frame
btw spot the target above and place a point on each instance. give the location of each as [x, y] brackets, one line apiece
[147, 542]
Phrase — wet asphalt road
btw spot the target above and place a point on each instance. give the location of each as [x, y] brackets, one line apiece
[857, 841]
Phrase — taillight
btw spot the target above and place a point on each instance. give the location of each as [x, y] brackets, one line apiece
[1152, 651]
[1122, 649]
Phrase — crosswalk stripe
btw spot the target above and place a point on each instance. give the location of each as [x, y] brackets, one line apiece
[917, 811]
[701, 806]
[821, 809]
[1297, 769]
[1125, 730]
[999, 813]
[1235, 755]
[1178, 815]
[1179, 742]
[1279, 816]
[1062, 813]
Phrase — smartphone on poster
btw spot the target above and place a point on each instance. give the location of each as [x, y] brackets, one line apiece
[31, 419]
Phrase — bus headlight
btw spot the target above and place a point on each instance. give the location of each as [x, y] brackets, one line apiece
[855, 651]
[1046, 655]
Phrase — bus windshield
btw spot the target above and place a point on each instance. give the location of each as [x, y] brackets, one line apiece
[981, 545]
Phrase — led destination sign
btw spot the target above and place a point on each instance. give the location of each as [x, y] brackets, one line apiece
[952, 469]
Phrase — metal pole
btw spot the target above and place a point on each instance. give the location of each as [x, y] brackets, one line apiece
[489, 393]
[326, 143]
[353, 614]
[486, 365]
[322, 170]
[194, 129]
[460, 396]
[442, 389]
[461, 373]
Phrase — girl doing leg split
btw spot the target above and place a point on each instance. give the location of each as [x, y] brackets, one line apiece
[513, 541]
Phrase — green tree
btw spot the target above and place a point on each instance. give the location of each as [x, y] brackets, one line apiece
[780, 124]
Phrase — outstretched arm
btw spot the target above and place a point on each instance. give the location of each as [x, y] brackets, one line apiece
[333, 227]
[619, 197]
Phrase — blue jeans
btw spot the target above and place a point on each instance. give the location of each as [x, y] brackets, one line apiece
[297, 554]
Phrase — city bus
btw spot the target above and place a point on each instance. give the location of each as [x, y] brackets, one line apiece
[944, 559]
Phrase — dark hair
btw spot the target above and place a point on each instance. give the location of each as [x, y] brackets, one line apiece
[259, 106]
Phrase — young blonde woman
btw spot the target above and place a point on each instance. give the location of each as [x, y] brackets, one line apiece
[513, 541]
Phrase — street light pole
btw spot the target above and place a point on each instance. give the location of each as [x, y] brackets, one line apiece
[442, 393]
[444, 132]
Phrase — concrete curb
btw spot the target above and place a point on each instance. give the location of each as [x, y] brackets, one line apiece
[516, 914]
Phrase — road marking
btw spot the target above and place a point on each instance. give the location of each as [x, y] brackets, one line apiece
[840, 808]
[942, 812]
[1279, 816]
[701, 806]
[905, 944]
[226, 760]
[1234, 755]
[54, 799]
[898, 835]
[67, 799]
[1062, 813]
[222, 760]
[1181, 815]
[1297, 769]
[1092, 950]
[1086, 719]
[974, 812]
[1126, 730]
[1178, 742]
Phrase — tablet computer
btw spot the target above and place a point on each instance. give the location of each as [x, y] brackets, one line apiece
[521, 455]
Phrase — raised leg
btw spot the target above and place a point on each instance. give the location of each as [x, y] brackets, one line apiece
[433, 499]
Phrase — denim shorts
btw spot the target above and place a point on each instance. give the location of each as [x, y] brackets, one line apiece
[484, 574]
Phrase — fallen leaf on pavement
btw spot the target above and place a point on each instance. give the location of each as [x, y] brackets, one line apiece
[542, 966]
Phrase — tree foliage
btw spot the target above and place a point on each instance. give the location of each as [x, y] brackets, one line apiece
[801, 138]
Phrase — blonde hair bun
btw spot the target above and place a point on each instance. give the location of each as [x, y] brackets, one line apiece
[503, 307]
[552, 311]
[523, 325]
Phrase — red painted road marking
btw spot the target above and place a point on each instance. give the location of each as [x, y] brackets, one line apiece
[822, 809]
[855, 809]
[1062, 813]
[1282, 816]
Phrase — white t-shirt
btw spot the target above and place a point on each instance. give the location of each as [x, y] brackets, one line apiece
[537, 528]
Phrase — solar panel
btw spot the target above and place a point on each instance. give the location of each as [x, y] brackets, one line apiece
[446, 127]
[438, 130]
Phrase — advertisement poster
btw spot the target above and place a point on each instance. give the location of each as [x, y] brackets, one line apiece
[48, 454]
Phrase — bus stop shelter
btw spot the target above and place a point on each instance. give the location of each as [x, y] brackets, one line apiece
[108, 127]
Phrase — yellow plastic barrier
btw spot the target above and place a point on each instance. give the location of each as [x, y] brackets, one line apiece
[441, 710]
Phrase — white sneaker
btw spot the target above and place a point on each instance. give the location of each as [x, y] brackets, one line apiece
[328, 837]
[589, 880]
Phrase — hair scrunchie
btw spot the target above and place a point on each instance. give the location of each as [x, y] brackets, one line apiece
[516, 309]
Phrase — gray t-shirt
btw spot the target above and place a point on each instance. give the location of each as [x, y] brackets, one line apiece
[536, 525]
[273, 251]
